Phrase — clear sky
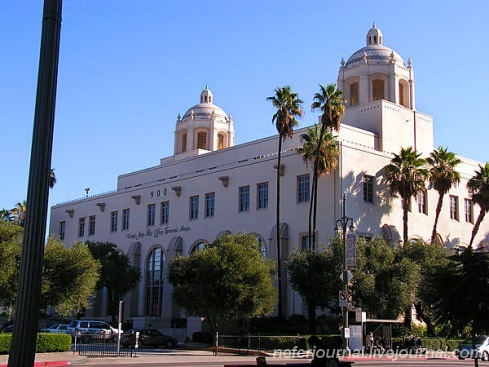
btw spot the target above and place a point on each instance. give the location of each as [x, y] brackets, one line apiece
[128, 67]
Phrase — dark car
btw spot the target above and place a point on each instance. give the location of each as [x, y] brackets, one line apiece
[147, 337]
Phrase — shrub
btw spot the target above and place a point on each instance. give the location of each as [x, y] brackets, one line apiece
[46, 342]
[202, 337]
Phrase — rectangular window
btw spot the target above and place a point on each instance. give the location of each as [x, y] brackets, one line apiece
[125, 219]
[306, 243]
[81, 227]
[262, 191]
[469, 211]
[421, 200]
[368, 189]
[113, 221]
[353, 94]
[244, 198]
[210, 201]
[151, 215]
[91, 225]
[194, 207]
[303, 188]
[377, 89]
[62, 228]
[453, 207]
[165, 212]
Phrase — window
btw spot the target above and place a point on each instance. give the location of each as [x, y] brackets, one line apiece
[125, 219]
[368, 189]
[165, 212]
[184, 142]
[151, 215]
[402, 95]
[199, 247]
[469, 211]
[194, 207]
[303, 188]
[91, 225]
[220, 141]
[421, 200]
[81, 227]
[306, 242]
[62, 227]
[453, 207]
[377, 89]
[202, 140]
[263, 247]
[262, 190]
[154, 282]
[210, 200]
[244, 198]
[353, 94]
[113, 221]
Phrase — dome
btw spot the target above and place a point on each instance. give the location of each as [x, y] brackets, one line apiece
[205, 110]
[375, 52]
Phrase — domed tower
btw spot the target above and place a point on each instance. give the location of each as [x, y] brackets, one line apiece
[379, 90]
[376, 72]
[204, 126]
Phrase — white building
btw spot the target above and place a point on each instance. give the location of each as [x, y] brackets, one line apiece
[210, 185]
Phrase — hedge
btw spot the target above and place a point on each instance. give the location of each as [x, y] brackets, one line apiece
[46, 342]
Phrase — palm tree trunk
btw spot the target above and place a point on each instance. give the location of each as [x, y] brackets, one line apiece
[315, 189]
[279, 261]
[437, 216]
[405, 209]
[477, 224]
[311, 243]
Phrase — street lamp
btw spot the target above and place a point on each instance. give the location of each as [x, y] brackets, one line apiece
[342, 225]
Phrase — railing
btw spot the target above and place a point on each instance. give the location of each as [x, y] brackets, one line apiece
[100, 345]
[255, 344]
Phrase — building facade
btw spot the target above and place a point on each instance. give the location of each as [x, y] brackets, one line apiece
[211, 186]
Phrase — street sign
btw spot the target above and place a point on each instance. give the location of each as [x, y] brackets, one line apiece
[346, 333]
[349, 276]
[351, 251]
[343, 298]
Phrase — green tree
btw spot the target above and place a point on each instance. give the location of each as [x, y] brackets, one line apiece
[406, 175]
[384, 283]
[315, 275]
[10, 250]
[19, 213]
[429, 258]
[228, 279]
[478, 186]
[117, 274]
[326, 145]
[461, 289]
[70, 277]
[443, 176]
[288, 105]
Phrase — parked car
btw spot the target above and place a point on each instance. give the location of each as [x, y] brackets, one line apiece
[465, 349]
[56, 328]
[92, 329]
[147, 337]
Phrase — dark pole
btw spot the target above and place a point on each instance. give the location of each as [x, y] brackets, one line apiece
[23, 347]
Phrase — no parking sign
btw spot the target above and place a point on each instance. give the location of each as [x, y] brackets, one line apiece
[343, 298]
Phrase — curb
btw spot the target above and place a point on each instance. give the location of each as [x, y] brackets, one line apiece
[47, 364]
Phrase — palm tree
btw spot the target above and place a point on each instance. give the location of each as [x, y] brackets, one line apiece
[406, 175]
[52, 178]
[332, 105]
[443, 176]
[288, 105]
[326, 145]
[478, 187]
[19, 213]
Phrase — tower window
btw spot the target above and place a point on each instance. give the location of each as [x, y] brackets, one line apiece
[377, 89]
[402, 95]
[184, 142]
[353, 94]
[202, 140]
[220, 141]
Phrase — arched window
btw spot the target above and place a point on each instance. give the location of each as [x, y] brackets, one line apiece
[184, 142]
[220, 141]
[199, 246]
[403, 95]
[202, 140]
[155, 267]
[353, 94]
[377, 89]
[263, 247]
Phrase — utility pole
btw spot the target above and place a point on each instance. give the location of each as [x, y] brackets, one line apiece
[23, 347]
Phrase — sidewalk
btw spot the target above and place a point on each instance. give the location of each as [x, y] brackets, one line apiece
[50, 359]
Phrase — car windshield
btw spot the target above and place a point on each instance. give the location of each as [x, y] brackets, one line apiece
[478, 340]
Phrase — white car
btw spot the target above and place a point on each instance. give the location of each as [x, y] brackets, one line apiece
[465, 349]
[92, 329]
[56, 328]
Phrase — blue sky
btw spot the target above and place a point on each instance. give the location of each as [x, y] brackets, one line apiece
[128, 68]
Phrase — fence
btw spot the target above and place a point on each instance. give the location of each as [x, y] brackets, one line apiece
[255, 344]
[94, 345]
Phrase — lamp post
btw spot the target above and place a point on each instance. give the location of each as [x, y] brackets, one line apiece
[342, 225]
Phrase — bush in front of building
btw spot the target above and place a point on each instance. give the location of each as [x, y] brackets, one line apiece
[46, 342]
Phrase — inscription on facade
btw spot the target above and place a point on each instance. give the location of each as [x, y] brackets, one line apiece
[158, 232]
